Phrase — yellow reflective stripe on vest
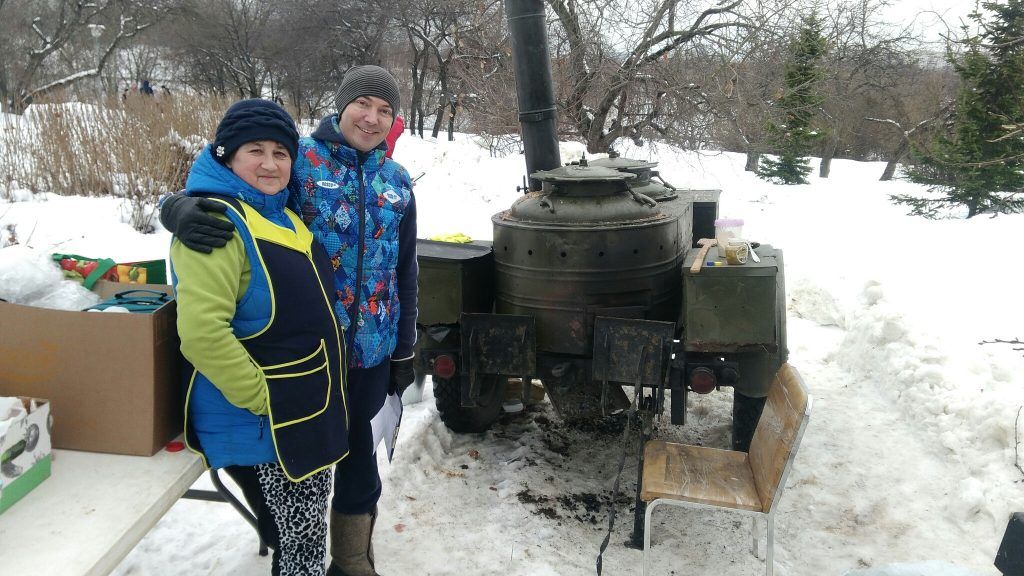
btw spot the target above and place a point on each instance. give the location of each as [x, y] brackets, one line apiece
[300, 239]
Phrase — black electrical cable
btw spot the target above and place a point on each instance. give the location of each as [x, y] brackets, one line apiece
[618, 476]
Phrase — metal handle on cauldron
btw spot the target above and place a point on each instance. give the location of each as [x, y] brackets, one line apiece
[656, 174]
[543, 202]
[641, 198]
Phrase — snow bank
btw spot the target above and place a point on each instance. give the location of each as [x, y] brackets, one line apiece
[909, 456]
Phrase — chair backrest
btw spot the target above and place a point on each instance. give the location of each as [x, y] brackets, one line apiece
[778, 433]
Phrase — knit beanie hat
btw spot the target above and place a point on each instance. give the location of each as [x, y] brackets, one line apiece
[251, 120]
[368, 80]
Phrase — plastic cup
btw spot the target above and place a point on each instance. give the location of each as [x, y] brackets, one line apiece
[737, 251]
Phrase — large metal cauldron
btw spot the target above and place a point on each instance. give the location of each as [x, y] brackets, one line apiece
[670, 200]
[585, 245]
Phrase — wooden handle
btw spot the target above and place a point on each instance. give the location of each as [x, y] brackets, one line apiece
[705, 245]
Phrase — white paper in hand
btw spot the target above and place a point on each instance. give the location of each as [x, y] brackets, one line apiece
[385, 424]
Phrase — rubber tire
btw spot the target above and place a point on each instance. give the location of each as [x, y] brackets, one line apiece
[746, 411]
[448, 398]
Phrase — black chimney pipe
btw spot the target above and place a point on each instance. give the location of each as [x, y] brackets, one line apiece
[536, 94]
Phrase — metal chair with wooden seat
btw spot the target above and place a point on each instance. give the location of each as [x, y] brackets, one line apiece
[745, 482]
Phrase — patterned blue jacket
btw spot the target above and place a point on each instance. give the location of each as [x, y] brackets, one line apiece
[360, 206]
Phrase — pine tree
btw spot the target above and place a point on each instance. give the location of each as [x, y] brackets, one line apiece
[978, 161]
[794, 138]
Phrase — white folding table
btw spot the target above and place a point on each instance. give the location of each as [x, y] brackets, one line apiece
[93, 509]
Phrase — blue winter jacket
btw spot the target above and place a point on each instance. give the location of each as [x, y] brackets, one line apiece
[360, 206]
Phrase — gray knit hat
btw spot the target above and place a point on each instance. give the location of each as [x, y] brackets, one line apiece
[368, 80]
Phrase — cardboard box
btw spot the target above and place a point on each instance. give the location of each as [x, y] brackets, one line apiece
[24, 452]
[114, 377]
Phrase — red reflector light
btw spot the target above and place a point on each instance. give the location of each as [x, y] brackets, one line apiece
[444, 366]
[702, 380]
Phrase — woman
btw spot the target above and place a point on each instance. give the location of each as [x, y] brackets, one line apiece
[265, 398]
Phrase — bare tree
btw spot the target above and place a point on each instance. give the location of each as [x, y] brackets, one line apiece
[905, 142]
[483, 70]
[900, 112]
[314, 53]
[742, 82]
[295, 50]
[227, 45]
[419, 64]
[45, 42]
[865, 58]
[436, 30]
[139, 61]
[612, 50]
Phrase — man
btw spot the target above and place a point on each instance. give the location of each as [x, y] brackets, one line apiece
[359, 204]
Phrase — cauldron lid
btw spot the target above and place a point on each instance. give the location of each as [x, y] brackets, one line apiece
[577, 173]
[620, 163]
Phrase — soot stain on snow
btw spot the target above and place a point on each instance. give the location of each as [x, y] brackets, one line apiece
[580, 455]
[575, 462]
[588, 507]
[584, 507]
[527, 496]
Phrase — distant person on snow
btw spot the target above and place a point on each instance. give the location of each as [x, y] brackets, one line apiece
[264, 368]
[359, 204]
[146, 89]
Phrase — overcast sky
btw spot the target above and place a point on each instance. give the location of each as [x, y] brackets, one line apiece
[927, 13]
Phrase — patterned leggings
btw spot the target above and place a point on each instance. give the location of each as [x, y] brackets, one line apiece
[291, 516]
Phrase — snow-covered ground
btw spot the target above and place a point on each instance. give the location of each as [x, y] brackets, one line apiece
[908, 467]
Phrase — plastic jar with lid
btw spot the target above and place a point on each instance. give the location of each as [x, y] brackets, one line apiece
[727, 229]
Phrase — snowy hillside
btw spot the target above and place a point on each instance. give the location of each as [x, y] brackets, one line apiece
[908, 466]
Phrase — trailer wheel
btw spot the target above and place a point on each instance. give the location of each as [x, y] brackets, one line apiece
[746, 411]
[448, 397]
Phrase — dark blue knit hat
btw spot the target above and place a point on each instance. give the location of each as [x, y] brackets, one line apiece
[252, 120]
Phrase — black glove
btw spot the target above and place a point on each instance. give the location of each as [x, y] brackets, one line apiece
[186, 217]
[402, 375]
